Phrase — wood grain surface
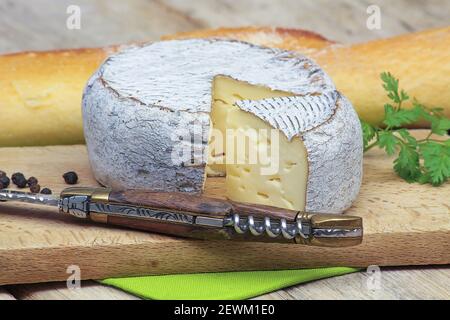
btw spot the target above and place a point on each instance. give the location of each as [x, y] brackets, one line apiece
[89, 290]
[40, 25]
[394, 283]
[405, 224]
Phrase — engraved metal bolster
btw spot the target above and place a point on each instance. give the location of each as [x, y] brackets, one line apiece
[333, 230]
[84, 202]
[77, 201]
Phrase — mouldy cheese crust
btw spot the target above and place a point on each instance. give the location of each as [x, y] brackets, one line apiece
[335, 155]
[141, 101]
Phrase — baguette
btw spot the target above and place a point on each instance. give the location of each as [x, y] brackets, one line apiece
[40, 95]
[41, 91]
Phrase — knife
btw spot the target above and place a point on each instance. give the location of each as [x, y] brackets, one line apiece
[200, 217]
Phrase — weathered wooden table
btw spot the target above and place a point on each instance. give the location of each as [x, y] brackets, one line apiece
[41, 25]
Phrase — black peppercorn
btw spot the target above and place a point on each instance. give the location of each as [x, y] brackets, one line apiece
[20, 182]
[17, 176]
[32, 180]
[70, 177]
[35, 188]
[4, 182]
[2, 173]
[46, 191]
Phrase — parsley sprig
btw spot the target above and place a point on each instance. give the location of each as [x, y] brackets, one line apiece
[424, 161]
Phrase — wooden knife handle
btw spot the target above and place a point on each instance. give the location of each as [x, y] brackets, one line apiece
[196, 205]
[173, 201]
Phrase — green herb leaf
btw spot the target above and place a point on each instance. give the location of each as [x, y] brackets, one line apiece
[410, 140]
[440, 126]
[407, 165]
[424, 178]
[397, 118]
[387, 141]
[390, 84]
[436, 158]
[369, 133]
[403, 96]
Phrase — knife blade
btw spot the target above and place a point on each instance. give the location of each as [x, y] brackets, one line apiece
[195, 216]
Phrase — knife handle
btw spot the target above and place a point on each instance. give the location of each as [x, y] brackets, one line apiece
[198, 206]
[197, 216]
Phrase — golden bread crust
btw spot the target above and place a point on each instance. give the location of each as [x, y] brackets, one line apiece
[41, 95]
[283, 38]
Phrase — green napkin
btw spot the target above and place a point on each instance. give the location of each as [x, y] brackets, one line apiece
[216, 286]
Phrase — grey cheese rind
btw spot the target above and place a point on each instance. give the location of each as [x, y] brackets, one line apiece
[130, 145]
[139, 101]
[335, 161]
[293, 115]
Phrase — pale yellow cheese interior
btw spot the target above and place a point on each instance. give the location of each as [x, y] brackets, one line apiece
[283, 184]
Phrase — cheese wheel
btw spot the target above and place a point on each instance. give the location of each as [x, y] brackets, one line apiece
[150, 115]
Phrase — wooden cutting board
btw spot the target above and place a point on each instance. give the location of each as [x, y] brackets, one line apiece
[405, 224]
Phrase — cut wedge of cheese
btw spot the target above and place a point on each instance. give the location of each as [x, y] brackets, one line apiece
[279, 175]
[226, 91]
[265, 179]
[153, 115]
